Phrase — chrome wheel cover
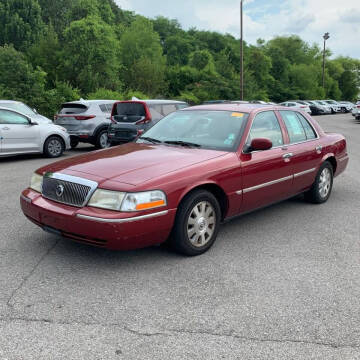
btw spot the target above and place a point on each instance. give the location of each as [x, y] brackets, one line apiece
[54, 147]
[201, 224]
[325, 182]
[104, 141]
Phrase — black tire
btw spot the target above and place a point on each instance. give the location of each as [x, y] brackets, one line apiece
[99, 143]
[317, 194]
[74, 142]
[54, 147]
[204, 225]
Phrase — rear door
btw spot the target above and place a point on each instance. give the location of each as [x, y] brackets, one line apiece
[305, 149]
[18, 135]
[267, 175]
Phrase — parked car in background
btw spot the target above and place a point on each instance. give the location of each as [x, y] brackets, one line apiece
[86, 121]
[346, 106]
[20, 134]
[295, 105]
[131, 118]
[325, 105]
[319, 109]
[356, 111]
[335, 106]
[191, 171]
[26, 110]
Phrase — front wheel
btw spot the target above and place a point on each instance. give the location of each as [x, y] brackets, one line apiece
[321, 189]
[196, 224]
[54, 147]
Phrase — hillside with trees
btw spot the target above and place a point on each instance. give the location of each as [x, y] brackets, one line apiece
[53, 51]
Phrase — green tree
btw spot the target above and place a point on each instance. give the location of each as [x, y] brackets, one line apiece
[21, 23]
[90, 56]
[142, 58]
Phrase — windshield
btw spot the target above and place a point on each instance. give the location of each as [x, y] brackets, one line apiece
[20, 107]
[218, 130]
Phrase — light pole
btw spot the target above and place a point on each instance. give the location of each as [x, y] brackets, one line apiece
[325, 37]
[241, 53]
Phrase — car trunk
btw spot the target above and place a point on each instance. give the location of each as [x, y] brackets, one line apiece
[71, 116]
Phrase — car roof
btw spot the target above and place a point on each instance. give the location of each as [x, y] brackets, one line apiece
[156, 101]
[89, 102]
[10, 101]
[246, 108]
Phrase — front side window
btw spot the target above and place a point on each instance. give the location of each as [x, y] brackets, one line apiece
[218, 130]
[9, 117]
[294, 127]
[266, 125]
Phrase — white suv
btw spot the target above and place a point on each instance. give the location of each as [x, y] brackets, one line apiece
[19, 134]
[86, 121]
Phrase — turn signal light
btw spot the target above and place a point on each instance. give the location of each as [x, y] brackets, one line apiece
[150, 205]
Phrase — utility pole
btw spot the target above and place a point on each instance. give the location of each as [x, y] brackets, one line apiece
[241, 53]
[325, 37]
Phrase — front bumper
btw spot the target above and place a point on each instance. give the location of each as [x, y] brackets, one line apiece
[103, 228]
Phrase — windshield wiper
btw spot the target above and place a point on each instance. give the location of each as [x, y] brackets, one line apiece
[154, 141]
[182, 143]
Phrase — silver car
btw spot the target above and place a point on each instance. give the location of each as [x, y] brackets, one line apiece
[20, 134]
[86, 121]
[335, 106]
[297, 106]
[26, 110]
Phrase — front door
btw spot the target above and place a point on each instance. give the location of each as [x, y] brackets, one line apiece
[18, 135]
[267, 175]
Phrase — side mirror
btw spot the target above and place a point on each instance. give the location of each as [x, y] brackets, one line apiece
[260, 144]
[32, 122]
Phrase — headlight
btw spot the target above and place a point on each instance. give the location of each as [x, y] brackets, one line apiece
[143, 201]
[36, 182]
[107, 199]
[114, 200]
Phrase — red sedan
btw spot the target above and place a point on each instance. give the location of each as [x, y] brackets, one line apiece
[194, 169]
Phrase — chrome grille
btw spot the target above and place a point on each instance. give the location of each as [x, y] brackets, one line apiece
[67, 189]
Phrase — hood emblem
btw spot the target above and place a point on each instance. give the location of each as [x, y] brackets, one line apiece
[59, 191]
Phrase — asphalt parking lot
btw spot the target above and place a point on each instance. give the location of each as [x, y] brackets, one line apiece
[280, 283]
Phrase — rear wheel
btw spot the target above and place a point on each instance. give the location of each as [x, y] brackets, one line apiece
[196, 224]
[54, 147]
[102, 140]
[321, 189]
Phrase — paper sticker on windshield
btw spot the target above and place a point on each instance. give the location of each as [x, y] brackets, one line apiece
[236, 114]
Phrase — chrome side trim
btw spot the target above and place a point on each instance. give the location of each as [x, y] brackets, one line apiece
[239, 192]
[304, 172]
[267, 184]
[121, 221]
[26, 199]
[343, 158]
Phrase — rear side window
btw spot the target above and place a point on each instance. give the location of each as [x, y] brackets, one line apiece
[309, 131]
[72, 109]
[168, 109]
[266, 125]
[129, 112]
[155, 114]
[294, 127]
[106, 108]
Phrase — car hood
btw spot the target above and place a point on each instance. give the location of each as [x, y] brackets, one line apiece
[132, 163]
[41, 120]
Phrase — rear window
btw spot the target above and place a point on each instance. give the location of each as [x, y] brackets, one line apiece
[72, 109]
[129, 112]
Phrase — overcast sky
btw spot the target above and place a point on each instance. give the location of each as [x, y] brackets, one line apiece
[309, 19]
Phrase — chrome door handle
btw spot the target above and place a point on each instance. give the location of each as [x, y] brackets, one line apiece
[288, 156]
[318, 149]
[5, 128]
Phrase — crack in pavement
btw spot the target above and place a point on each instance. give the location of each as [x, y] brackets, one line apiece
[174, 332]
[24, 280]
